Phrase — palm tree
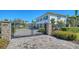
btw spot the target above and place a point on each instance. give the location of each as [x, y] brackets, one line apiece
[67, 21]
[76, 14]
[71, 21]
[6, 20]
[33, 23]
[60, 24]
[53, 23]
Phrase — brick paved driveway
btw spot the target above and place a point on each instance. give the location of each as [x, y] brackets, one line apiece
[41, 42]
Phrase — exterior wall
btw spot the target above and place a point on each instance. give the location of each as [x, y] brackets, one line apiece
[43, 21]
[56, 19]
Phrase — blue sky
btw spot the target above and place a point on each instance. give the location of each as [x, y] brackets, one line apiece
[29, 15]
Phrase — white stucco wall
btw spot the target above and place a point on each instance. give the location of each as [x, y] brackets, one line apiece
[49, 19]
[56, 19]
[43, 20]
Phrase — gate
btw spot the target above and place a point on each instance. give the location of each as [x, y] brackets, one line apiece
[24, 32]
[9, 30]
[45, 26]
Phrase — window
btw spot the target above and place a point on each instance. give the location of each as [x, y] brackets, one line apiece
[40, 25]
[58, 17]
[40, 19]
[37, 20]
[37, 25]
[46, 17]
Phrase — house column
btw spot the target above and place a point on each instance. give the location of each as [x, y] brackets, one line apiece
[49, 28]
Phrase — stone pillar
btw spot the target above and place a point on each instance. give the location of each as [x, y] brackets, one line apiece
[49, 28]
[6, 30]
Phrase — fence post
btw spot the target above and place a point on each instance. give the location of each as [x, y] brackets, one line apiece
[49, 28]
[6, 30]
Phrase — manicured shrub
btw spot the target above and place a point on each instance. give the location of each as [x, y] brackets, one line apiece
[65, 35]
[3, 43]
[77, 39]
[71, 29]
[41, 30]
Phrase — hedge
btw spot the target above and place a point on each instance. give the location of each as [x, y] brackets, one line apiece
[65, 35]
[41, 30]
[71, 29]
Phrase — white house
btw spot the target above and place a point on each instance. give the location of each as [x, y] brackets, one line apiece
[46, 18]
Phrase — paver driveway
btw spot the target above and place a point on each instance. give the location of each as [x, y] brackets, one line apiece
[41, 42]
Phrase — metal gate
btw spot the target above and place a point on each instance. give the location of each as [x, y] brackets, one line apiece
[24, 32]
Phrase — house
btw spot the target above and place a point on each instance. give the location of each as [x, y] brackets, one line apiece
[46, 18]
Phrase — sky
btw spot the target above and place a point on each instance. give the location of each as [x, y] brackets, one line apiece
[29, 15]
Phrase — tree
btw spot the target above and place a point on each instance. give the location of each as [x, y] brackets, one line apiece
[73, 20]
[60, 24]
[53, 23]
[19, 23]
[33, 23]
[76, 14]
[67, 21]
[6, 20]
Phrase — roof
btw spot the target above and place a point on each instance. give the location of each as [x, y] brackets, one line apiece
[55, 14]
[52, 13]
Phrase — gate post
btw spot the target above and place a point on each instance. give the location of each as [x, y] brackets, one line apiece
[49, 28]
[6, 30]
